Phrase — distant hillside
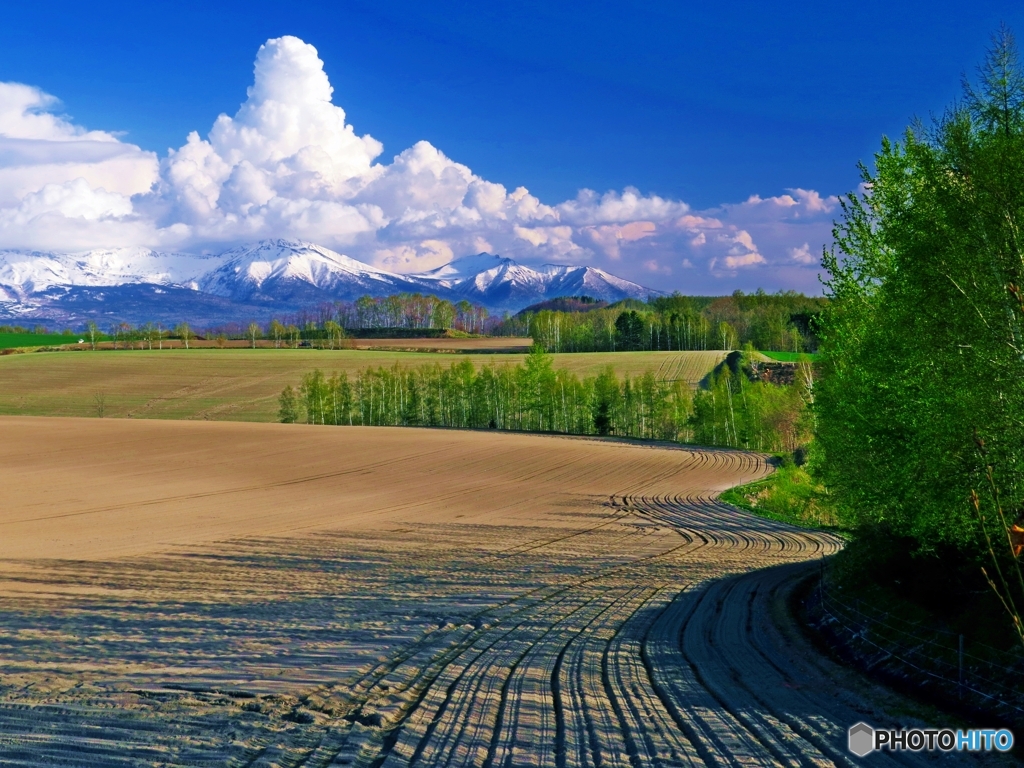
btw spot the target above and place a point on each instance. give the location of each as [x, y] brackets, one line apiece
[566, 304]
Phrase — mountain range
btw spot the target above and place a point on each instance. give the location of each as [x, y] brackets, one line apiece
[262, 280]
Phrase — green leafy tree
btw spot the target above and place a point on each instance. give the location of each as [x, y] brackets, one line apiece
[629, 330]
[607, 398]
[288, 412]
[922, 347]
[93, 333]
[184, 332]
[277, 332]
[334, 333]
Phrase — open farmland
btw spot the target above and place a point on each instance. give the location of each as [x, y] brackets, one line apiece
[232, 594]
[244, 384]
[11, 340]
[482, 344]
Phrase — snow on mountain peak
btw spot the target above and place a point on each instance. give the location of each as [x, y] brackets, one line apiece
[466, 266]
[32, 272]
[254, 265]
[272, 276]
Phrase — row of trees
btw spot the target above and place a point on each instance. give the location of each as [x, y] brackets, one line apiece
[534, 396]
[781, 322]
[36, 329]
[322, 326]
[923, 341]
[404, 310]
[921, 405]
[126, 336]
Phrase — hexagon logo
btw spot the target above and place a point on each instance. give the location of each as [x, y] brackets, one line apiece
[861, 739]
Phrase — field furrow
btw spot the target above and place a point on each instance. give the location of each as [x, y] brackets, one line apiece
[279, 595]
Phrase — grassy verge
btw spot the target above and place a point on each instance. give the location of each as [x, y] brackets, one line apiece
[789, 495]
[789, 357]
[15, 340]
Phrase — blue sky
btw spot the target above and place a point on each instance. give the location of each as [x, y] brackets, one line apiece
[699, 106]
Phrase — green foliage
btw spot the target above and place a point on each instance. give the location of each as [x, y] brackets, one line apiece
[606, 403]
[735, 411]
[790, 494]
[15, 340]
[783, 321]
[629, 330]
[922, 342]
[289, 411]
[403, 310]
[536, 397]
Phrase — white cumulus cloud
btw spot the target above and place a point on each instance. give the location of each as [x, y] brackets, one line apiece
[288, 164]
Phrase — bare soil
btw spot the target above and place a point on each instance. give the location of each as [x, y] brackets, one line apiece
[255, 594]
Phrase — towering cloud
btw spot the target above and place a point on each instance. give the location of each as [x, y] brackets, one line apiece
[287, 164]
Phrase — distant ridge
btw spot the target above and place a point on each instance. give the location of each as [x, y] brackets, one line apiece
[502, 283]
[263, 279]
[567, 304]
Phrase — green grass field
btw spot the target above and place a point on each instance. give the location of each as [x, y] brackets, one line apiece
[15, 340]
[789, 357]
[244, 384]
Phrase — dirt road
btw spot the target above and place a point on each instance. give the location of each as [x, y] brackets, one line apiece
[253, 595]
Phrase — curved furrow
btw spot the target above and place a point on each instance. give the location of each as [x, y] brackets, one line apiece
[715, 734]
[471, 679]
[452, 673]
[653, 739]
[719, 732]
[792, 711]
[531, 716]
[623, 627]
[423, 654]
[582, 713]
[529, 724]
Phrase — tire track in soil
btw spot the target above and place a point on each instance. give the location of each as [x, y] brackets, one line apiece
[667, 708]
[642, 637]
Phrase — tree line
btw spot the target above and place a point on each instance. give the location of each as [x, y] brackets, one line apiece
[533, 396]
[920, 408]
[406, 310]
[325, 325]
[40, 330]
[782, 321]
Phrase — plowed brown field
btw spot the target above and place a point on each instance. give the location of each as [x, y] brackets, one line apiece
[229, 594]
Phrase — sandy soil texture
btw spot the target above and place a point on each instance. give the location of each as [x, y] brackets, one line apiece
[229, 594]
[244, 384]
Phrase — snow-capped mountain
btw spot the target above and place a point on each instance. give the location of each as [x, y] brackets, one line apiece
[501, 283]
[285, 270]
[23, 274]
[271, 277]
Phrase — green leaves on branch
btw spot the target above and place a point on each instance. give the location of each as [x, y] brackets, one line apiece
[922, 342]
